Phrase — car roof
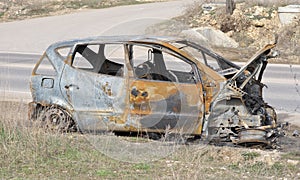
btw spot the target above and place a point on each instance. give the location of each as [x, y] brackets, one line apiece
[158, 40]
[117, 39]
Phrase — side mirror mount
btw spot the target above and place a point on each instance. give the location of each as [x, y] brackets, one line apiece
[273, 54]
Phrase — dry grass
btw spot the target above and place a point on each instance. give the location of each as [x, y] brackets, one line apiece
[28, 152]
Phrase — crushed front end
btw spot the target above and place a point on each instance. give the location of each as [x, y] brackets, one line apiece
[239, 114]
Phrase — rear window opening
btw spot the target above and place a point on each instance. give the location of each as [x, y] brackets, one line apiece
[44, 67]
[106, 59]
[63, 52]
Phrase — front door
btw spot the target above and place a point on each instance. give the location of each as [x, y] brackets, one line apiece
[165, 92]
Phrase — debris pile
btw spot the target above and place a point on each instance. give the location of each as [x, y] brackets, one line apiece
[251, 26]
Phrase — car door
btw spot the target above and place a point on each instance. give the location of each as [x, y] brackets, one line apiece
[94, 84]
[165, 91]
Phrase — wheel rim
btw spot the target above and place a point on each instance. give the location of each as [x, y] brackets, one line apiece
[56, 119]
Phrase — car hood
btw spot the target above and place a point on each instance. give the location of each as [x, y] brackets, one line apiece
[259, 58]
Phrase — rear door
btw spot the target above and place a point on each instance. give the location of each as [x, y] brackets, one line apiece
[165, 91]
[94, 84]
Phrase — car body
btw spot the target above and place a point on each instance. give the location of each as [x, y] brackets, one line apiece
[151, 84]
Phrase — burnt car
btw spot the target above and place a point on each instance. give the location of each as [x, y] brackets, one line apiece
[150, 84]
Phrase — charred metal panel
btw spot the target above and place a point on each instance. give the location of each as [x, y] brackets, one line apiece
[233, 113]
[96, 95]
[45, 87]
[252, 136]
[158, 105]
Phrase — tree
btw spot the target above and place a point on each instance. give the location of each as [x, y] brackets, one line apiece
[230, 6]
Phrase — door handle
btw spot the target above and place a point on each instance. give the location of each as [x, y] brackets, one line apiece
[71, 85]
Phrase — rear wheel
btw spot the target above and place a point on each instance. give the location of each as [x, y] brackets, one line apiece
[56, 119]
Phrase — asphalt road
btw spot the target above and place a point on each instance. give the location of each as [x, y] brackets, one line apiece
[35, 35]
[283, 89]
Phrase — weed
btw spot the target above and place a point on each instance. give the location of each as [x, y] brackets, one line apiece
[8, 135]
[210, 158]
[234, 166]
[256, 168]
[104, 173]
[250, 155]
[142, 166]
[295, 155]
[277, 166]
[70, 153]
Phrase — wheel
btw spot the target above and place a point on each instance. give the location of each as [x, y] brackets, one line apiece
[56, 119]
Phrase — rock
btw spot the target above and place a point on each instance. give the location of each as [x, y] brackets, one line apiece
[213, 22]
[193, 35]
[216, 37]
[292, 162]
[258, 23]
[3, 8]
[223, 168]
[296, 133]
[230, 33]
[268, 159]
[3, 5]
[259, 10]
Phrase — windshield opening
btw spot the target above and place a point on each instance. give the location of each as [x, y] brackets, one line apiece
[207, 57]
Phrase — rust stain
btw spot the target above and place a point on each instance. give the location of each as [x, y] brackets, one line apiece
[107, 89]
